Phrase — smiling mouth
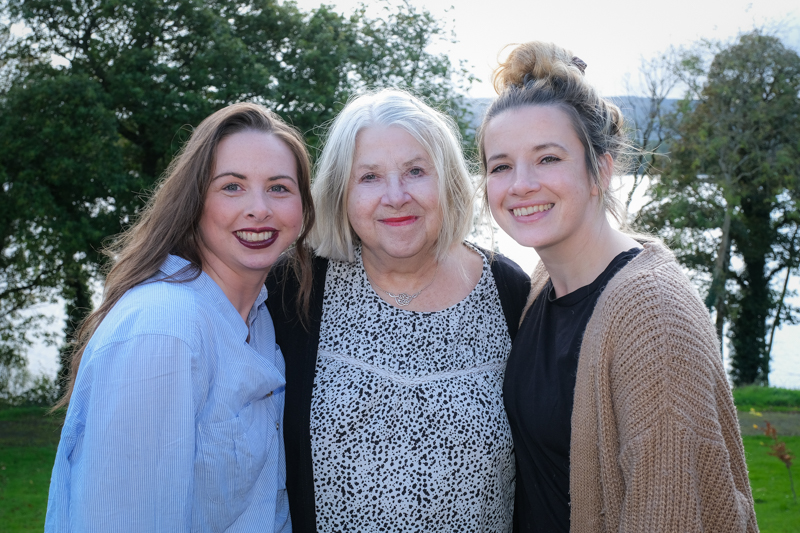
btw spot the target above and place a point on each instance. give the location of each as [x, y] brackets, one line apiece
[531, 209]
[256, 239]
[251, 236]
[399, 221]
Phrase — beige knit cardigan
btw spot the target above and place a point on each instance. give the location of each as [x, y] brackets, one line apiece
[655, 439]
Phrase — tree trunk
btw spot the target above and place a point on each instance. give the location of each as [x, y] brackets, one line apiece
[718, 294]
[79, 304]
[749, 358]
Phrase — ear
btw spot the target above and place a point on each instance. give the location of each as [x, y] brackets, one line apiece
[606, 169]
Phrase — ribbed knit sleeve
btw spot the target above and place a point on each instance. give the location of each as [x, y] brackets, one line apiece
[654, 425]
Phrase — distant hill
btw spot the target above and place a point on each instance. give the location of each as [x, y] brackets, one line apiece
[635, 108]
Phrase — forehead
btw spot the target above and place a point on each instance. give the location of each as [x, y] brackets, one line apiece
[379, 144]
[531, 125]
[256, 150]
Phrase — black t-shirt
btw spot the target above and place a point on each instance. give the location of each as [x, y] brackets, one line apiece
[538, 393]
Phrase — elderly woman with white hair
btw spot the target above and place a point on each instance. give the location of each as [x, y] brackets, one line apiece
[394, 414]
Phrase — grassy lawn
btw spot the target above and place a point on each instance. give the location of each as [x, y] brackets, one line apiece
[767, 399]
[28, 442]
[775, 510]
[29, 437]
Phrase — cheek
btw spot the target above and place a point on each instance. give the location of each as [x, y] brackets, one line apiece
[495, 193]
[358, 208]
[293, 215]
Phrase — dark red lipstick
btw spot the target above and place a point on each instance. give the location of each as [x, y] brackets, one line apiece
[256, 244]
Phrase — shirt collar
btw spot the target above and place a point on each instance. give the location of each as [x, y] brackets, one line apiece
[179, 269]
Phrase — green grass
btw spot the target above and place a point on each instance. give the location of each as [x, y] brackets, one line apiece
[776, 512]
[766, 399]
[28, 441]
[24, 483]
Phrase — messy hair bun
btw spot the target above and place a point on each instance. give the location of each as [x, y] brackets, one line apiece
[545, 74]
[537, 61]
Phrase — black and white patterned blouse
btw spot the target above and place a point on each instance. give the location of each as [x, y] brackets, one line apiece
[408, 430]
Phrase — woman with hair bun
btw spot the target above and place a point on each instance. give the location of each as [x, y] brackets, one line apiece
[620, 410]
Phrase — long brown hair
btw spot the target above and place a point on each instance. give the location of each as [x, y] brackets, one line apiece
[169, 223]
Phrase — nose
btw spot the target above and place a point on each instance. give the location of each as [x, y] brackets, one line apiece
[525, 181]
[395, 193]
[258, 207]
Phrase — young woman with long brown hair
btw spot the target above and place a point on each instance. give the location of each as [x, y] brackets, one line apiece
[176, 388]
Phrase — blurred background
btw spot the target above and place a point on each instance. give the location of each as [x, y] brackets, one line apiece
[97, 96]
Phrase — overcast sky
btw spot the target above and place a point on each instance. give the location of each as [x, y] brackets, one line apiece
[610, 36]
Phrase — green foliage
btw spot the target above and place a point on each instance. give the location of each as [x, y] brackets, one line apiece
[84, 137]
[766, 398]
[730, 189]
[775, 510]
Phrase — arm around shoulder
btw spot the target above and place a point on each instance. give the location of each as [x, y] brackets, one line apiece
[513, 286]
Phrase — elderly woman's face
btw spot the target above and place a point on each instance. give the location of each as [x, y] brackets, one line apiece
[393, 202]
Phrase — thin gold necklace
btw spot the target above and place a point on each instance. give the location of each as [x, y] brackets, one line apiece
[403, 299]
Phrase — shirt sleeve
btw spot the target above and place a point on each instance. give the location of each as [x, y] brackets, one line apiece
[131, 467]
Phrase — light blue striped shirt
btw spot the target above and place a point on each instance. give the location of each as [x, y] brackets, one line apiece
[175, 422]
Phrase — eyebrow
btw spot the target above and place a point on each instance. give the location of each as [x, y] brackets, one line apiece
[537, 148]
[244, 178]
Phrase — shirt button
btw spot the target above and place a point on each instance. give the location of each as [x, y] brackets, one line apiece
[277, 425]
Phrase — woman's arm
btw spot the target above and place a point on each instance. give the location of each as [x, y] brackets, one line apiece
[680, 456]
[126, 459]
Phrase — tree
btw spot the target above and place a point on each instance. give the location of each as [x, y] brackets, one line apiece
[646, 107]
[82, 138]
[729, 194]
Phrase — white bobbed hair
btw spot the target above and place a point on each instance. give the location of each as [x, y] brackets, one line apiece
[333, 236]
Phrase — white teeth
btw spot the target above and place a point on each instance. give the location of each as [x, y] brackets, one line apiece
[250, 236]
[531, 209]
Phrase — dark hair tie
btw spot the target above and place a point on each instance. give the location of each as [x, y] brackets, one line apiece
[580, 63]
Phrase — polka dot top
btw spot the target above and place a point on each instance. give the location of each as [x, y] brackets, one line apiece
[408, 430]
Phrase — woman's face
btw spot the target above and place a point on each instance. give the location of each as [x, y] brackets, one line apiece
[252, 210]
[539, 189]
[393, 195]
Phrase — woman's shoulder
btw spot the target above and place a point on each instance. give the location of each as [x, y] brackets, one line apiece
[502, 266]
[155, 308]
[651, 300]
[653, 273]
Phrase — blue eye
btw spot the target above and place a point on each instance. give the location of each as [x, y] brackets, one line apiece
[550, 159]
[279, 188]
[416, 171]
[369, 177]
[232, 187]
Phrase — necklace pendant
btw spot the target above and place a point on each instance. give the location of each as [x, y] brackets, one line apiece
[403, 299]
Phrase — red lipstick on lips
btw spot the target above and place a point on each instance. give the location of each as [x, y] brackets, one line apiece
[399, 221]
[257, 245]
